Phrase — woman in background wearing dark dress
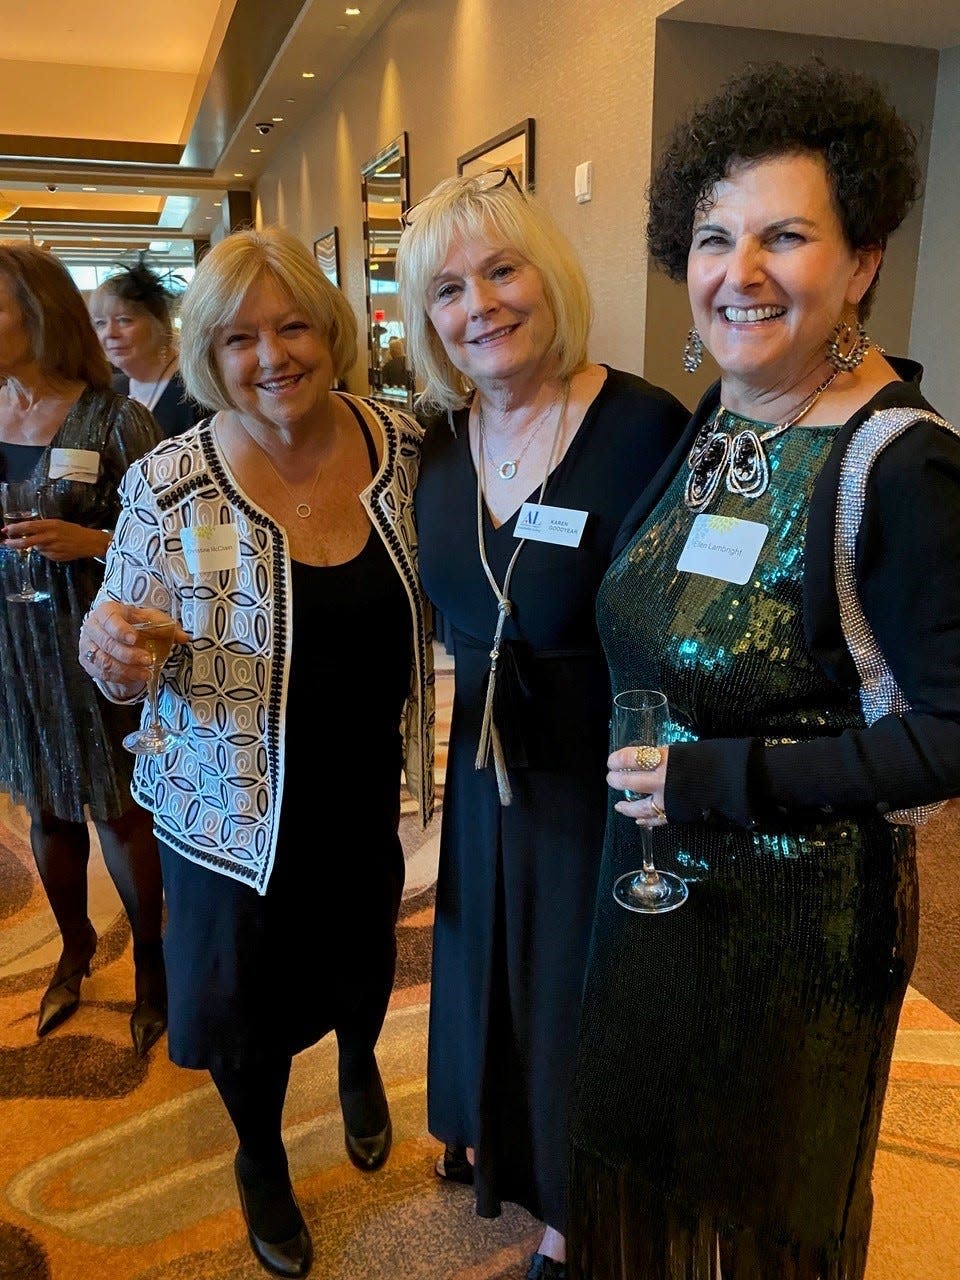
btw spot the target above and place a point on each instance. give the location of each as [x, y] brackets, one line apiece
[131, 314]
[304, 662]
[735, 1052]
[495, 301]
[61, 752]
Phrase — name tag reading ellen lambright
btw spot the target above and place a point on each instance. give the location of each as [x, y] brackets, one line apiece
[560, 525]
[722, 547]
[208, 548]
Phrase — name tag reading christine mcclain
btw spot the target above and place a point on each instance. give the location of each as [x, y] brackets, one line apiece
[722, 547]
[208, 548]
[562, 526]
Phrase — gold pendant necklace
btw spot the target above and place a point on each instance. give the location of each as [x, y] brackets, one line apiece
[740, 459]
[302, 507]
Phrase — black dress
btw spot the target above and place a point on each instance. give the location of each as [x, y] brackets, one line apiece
[734, 1052]
[249, 976]
[60, 740]
[174, 409]
[516, 885]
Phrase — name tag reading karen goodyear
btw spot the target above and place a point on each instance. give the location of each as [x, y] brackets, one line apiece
[562, 526]
[722, 547]
[209, 548]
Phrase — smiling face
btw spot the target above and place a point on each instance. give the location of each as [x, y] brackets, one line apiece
[488, 306]
[769, 272]
[128, 333]
[275, 365]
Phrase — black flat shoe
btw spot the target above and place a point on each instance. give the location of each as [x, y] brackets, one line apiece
[365, 1106]
[149, 1018]
[290, 1257]
[453, 1165]
[62, 996]
[544, 1268]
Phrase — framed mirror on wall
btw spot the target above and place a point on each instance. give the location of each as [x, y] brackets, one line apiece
[385, 196]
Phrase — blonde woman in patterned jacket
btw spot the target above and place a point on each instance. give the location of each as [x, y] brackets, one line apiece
[304, 647]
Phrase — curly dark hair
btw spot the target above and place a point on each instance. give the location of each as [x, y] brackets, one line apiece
[774, 109]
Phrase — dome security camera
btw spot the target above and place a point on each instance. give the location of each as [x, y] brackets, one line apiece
[264, 126]
[51, 186]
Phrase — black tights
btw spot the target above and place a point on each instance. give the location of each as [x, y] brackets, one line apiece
[61, 850]
[254, 1097]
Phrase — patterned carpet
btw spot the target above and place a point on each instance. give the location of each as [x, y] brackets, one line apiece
[123, 1169]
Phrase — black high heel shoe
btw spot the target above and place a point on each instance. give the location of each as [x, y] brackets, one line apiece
[453, 1165]
[149, 1018]
[62, 996]
[363, 1103]
[265, 1198]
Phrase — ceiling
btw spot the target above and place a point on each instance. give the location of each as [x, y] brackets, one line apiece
[128, 126]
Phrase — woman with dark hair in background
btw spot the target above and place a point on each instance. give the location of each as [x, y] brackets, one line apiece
[61, 752]
[131, 314]
[790, 582]
[497, 313]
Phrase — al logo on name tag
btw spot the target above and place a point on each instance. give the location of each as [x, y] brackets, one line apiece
[723, 547]
[563, 526]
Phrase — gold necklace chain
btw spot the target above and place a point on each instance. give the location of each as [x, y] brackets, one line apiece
[302, 506]
[508, 468]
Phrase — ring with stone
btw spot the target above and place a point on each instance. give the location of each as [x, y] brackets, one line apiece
[90, 654]
[647, 758]
[660, 813]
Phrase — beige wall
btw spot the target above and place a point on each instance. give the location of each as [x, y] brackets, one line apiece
[455, 72]
[452, 73]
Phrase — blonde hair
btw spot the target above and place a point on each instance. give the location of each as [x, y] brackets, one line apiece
[216, 293]
[458, 209]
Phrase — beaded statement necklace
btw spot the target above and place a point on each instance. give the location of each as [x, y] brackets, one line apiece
[741, 459]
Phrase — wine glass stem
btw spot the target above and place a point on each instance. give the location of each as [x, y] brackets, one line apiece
[153, 691]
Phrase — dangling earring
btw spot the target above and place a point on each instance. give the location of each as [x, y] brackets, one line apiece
[841, 336]
[692, 351]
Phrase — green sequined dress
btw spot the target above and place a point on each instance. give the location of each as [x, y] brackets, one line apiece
[735, 1052]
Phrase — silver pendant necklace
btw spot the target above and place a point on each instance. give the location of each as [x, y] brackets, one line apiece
[741, 460]
[508, 468]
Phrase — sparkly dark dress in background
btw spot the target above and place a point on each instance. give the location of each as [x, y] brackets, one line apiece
[735, 1052]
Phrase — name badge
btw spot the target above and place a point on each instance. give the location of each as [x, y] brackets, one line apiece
[562, 526]
[74, 464]
[208, 548]
[722, 547]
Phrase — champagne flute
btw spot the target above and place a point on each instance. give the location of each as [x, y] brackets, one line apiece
[20, 500]
[641, 718]
[155, 634]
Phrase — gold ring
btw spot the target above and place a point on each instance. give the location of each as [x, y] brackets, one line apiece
[647, 758]
[661, 813]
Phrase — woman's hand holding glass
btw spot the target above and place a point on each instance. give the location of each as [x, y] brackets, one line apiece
[645, 787]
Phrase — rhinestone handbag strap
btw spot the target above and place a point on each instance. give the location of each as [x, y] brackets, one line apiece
[879, 692]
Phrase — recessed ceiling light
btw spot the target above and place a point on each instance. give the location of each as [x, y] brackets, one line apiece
[238, 175]
[352, 12]
[308, 75]
[217, 204]
[277, 119]
[88, 188]
[254, 151]
[140, 191]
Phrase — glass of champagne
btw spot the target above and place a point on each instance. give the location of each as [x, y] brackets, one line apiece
[20, 500]
[641, 718]
[155, 633]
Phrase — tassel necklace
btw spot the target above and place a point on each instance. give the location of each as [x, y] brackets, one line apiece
[489, 735]
[740, 459]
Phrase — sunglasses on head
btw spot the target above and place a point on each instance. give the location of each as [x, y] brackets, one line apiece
[490, 180]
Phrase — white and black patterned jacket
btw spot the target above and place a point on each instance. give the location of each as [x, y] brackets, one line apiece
[216, 800]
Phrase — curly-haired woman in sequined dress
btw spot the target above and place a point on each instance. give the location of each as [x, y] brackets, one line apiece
[734, 1053]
